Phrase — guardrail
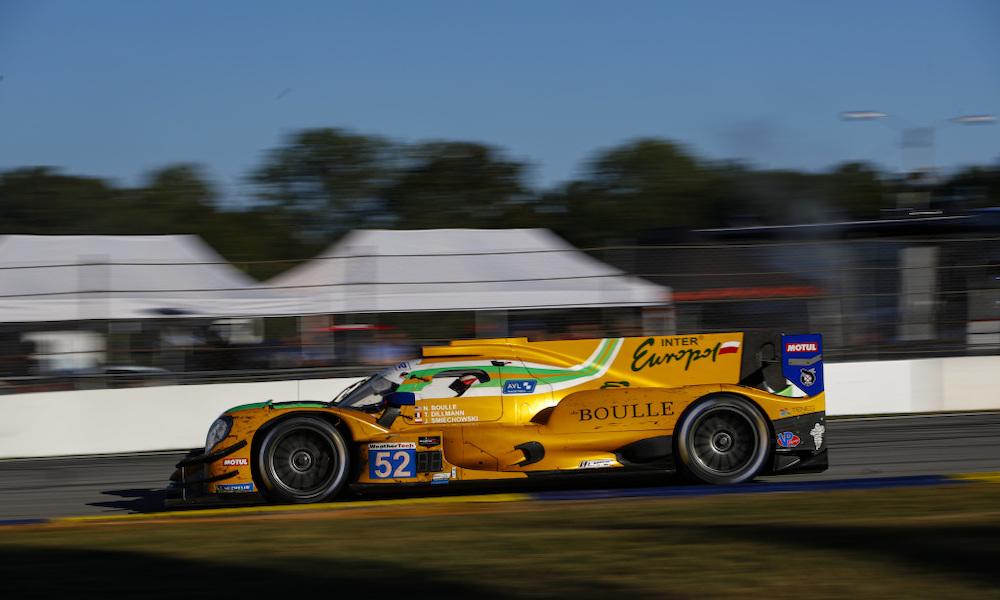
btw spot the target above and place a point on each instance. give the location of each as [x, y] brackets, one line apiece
[177, 417]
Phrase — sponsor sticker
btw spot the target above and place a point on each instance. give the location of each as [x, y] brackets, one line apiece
[235, 462]
[808, 377]
[392, 460]
[519, 386]
[638, 410]
[597, 464]
[801, 347]
[797, 410]
[788, 439]
[428, 441]
[802, 362]
[233, 488]
[817, 433]
[393, 446]
[441, 478]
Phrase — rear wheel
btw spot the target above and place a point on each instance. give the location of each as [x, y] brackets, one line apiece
[723, 439]
[302, 460]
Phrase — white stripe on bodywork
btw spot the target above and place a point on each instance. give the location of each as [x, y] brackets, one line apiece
[589, 363]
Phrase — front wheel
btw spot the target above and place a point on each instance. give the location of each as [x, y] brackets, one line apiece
[723, 439]
[302, 460]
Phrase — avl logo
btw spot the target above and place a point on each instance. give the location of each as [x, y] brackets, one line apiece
[519, 386]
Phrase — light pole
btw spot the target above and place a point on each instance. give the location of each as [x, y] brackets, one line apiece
[917, 143]
[918, 263]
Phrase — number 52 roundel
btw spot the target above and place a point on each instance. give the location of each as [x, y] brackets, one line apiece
[392, 460]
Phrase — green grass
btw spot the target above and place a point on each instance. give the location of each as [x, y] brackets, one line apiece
[938, 542]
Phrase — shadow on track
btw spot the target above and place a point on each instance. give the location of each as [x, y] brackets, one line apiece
[599, 483]
[139, 500]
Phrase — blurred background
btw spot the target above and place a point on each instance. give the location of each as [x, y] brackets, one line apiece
[679, 169]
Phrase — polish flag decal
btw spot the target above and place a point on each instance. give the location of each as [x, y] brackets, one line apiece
[729, 347]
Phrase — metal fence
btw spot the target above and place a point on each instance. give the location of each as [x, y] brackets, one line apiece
[879, 298]
[872, 299]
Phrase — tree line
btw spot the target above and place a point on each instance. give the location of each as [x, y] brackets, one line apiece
[321, 183]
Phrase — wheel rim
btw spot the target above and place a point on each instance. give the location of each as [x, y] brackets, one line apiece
[303, 462]
[724, 441]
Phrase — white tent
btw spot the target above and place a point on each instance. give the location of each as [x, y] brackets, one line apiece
[79, 277]
[462, 269]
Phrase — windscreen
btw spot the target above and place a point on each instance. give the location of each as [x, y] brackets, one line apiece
[368, 393]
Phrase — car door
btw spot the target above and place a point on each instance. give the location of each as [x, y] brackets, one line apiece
[523, 391]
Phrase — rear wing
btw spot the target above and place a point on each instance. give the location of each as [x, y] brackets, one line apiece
[790, 365]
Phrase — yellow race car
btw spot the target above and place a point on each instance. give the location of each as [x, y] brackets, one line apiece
[718, 408]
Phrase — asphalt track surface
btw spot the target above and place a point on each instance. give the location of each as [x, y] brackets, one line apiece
[864, 452]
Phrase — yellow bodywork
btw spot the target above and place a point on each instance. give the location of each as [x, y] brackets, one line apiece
[536, 407]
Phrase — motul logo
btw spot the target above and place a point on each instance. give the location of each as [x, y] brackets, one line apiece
[235, 462]
[802, 347]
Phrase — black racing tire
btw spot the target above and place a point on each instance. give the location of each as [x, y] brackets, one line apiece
[722, 439]
[302, 460]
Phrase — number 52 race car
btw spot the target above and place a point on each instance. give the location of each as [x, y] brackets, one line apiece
[717, 408]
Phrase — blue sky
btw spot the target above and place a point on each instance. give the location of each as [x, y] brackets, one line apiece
[116, 88]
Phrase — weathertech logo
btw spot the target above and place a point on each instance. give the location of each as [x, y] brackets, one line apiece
[802, 347]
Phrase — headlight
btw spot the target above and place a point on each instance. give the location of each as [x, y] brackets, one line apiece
[218, 432]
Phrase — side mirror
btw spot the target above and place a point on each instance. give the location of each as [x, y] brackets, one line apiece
[392, 403]
[401, 398]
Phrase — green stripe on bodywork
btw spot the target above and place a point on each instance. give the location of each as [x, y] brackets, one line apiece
[272, 404]
[606, 353]
[248, 406]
